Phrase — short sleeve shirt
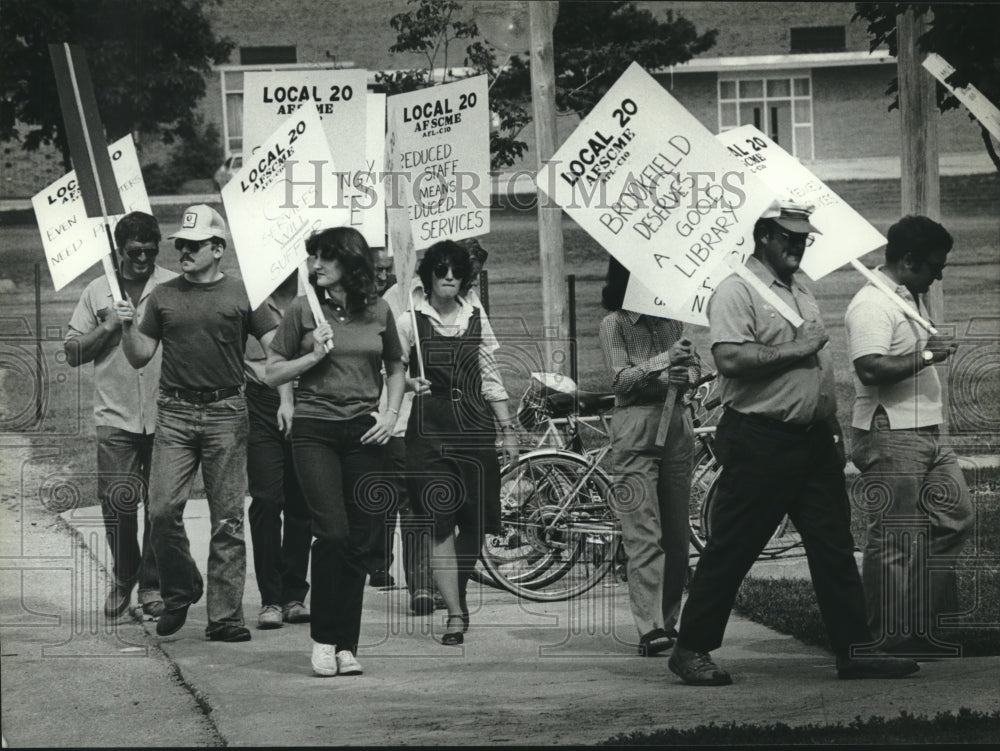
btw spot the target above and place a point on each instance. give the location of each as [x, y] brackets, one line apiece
[346, 383]
[203, 330]
[124, 398]
[876, 326]
[802, 393]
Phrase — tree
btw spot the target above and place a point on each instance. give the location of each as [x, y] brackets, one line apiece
[148, 61]
[594, 42]
[964, 34]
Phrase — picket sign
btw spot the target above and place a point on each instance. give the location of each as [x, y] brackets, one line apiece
[87, 145]
[443, 148]
[983, 109]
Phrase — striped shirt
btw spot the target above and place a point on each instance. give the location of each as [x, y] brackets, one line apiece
[628, 341]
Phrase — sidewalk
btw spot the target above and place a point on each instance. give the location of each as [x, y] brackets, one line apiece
[529, 674]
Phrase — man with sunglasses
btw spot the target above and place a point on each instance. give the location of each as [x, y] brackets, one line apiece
[781, 453]
[202, 319]
[124, 410]
[897, 445]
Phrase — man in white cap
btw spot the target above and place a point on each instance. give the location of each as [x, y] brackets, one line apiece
[781, 453]
[202, 319]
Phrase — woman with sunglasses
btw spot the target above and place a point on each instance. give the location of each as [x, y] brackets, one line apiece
[453, 470]
[338, 437]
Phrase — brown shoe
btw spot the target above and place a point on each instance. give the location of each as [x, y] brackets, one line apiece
[697, 668]
[875, 666]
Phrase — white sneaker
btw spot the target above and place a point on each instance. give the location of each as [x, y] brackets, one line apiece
[347, 664]
[324, 661]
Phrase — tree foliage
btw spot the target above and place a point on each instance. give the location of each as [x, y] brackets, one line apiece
[964, 34]
[148, 60]
[593, 44]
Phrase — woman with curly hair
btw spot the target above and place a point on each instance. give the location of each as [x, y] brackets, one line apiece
[338, 437]
[453, 470]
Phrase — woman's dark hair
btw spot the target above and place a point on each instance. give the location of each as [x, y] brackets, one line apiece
[348, 246]
[449, 252]
[917, 236]
[613, 293]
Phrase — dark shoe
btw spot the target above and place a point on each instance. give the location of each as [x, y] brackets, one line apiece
[154, 608]
[295, 612]
[381, 579]
[655, 642]
[270, 616]
[119, 597]
[422, 602]
[697, 668]
[876, 666]
[452, 637]
[229, 633]
[171, 621]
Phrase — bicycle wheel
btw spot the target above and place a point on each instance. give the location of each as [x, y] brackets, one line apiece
[559, 536]
[703, 477]
[785, 536]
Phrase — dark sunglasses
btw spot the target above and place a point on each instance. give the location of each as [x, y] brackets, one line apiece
[135, 253]
[441, 271]
[190, 246]
[795, 237]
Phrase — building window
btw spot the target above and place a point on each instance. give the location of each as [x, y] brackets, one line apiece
[267, 55]
[777, 104]
[819, 39]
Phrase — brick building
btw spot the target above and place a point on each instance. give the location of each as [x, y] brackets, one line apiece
[801, 72]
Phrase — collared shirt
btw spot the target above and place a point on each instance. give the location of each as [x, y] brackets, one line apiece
[255, 358]
[876, 326]
[124, 398]
[802, 393]
[493, 388]
[628, 341]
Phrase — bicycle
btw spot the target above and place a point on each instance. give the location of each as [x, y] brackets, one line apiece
[560, 536]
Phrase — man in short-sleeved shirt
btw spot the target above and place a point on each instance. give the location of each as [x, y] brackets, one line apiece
[202, 320]
[124, 410]
[897, 446]
[779, 454]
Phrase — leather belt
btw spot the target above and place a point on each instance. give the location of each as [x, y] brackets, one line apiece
[769, 422]
[202, 397]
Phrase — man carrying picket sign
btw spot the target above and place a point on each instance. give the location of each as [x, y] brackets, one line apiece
[124, 410]
[781, 453]
[202, 318]
[897, 444]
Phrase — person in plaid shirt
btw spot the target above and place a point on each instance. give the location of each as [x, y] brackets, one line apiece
[645, 356]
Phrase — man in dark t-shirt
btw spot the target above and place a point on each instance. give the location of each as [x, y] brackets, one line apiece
[202, 319]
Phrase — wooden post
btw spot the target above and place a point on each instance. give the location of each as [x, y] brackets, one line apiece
[541, 19]
[39, 355]
[920, 184]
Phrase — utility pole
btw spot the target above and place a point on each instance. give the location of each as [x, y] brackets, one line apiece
[541, 19]
[920, 184]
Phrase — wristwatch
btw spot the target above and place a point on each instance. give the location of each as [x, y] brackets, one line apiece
[927, 357]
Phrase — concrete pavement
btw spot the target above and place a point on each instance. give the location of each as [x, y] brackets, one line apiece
[529, 673]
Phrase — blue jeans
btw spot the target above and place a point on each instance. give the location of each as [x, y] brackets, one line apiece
[214, 436]
[918, 509]
[123, 461]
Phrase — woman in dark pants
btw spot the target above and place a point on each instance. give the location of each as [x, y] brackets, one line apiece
[452, 466]
[338, 437]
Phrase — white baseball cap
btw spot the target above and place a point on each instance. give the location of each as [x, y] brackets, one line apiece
[200, 222]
